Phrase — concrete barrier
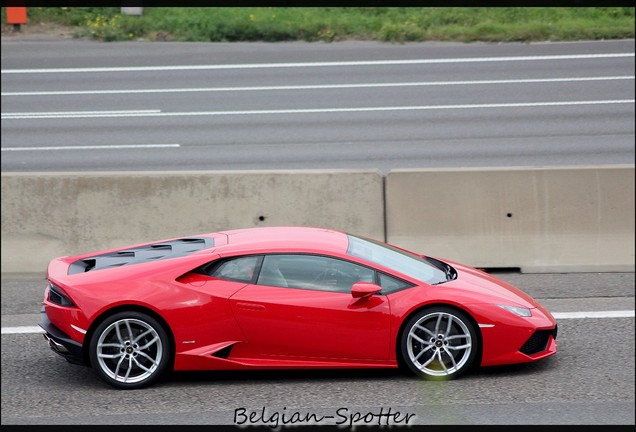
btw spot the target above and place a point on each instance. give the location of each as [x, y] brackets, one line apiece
[45, 215]
[556, 219]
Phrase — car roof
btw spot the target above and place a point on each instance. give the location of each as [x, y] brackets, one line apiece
[282, 238]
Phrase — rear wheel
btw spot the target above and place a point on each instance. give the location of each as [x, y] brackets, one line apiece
[130, 350]
[439, 343]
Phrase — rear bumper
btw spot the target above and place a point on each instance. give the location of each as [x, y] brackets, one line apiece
[60, 342]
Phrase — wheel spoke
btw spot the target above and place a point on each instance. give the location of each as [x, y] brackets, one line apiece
[147, 356]
[110, 345]
[458, 347]
[130, 334]
[424, 329]
[140, 365]
[428, 362]
[419, 339]
[439, 356]
[118, 365]
[462, 336]
[129, 368]
[154, 340]
[448, 326]
[428, 348]
[121, 340]
[111, 356]
[438, 323]
[149, 331]
[451, 357]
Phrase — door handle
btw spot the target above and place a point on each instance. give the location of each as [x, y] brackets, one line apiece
[250, 306]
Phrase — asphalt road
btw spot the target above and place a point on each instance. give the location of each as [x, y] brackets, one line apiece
[74, 105]
[167, 106]
[589, 381]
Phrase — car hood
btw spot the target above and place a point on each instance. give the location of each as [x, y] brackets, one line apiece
[481, 283]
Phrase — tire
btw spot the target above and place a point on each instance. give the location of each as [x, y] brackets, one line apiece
[439, 343]
[127, 362]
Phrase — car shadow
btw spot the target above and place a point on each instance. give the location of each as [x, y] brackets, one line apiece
[315, 375]
[278, 375]
[519, 369]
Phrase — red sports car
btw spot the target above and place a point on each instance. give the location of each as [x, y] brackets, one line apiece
[284, 297]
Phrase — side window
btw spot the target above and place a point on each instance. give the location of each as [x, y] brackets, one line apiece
[313, 272]
[270, 272]
[236, 269]
[390, 284]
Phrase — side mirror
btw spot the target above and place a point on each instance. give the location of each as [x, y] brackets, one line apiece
[364, 289]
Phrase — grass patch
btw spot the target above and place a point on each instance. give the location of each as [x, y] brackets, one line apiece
[329, 24]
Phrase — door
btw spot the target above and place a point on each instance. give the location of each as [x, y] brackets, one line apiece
[311, 313]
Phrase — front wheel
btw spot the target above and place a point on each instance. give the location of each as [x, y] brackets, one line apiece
[129, 350]
[439, 343]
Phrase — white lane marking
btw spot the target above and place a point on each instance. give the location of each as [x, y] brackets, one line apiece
[22, 329]
[601, 314]
[317, 87]
[59, 115]
[556, 315]
[49, 114]
[318, 64]
[95, 147]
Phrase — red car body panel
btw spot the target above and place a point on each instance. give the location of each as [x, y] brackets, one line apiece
[274, 327]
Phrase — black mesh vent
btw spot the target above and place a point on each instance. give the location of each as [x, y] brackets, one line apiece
[538, 341]
[57, 296]
[151, 252]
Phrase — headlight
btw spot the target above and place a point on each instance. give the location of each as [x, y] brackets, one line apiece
[521, 311]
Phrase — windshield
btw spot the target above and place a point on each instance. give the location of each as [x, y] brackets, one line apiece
[401, 261]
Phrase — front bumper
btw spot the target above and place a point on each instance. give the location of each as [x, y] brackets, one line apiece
[509, 339]
[60, 342]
